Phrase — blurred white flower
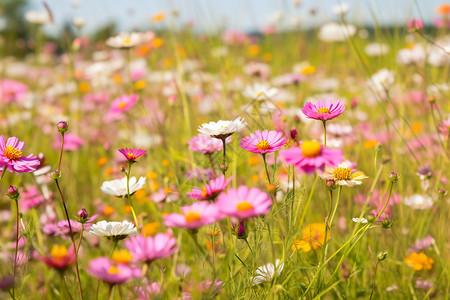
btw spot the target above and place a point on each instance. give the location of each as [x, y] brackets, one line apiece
[334, 32]
[417, 201]
[129, 40]
[118, 187]
[259, 91]
[436, 56]
[267, 272]
[37, 17]
[78, 21]
[409, 56]
[341, 9]
[113, 230]
[381, 81]
[376, 49]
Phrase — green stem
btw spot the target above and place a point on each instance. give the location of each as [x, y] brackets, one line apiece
[265, 166]
[224, 166]
[324, 133]
[129, 197]
[335, 206]
[307, 203]
[17, 245]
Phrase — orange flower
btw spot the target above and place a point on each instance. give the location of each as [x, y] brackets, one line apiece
[108, 210]
[158, 17]
[150, 228]
[419, 261]
[313, 237]
[102, 161]
[443, 9]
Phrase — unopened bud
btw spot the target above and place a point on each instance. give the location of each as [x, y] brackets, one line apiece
[385, 159]
[62, 127]
[83, 214]
[393, 177]
[293, 133]
[382, 255]
[13, 193]
[386, 223]
[123, 170]
[54, 175]
[240, 230]
[331, 184]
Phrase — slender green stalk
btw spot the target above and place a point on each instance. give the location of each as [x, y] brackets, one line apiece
[129, 197]
[307, 203]
[324, 133]
[265, 166]
[17, 245]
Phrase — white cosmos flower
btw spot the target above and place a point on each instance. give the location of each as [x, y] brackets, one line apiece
[259, 91]
[113, 230]
[343, 175]
[341, 9]
[376, 49]
[37, 17]
[128, 40]
[222, 129]
[333, 32]
[358, 220]
[418, 202]
[267, 272]
[118, 187]
[411, 56]
[381, 81]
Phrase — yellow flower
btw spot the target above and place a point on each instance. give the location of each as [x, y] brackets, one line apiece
[370, 144]
[121, 257]
[158, 17]
[313, 237]
[419, 261]
[253, 50]
[102, 161]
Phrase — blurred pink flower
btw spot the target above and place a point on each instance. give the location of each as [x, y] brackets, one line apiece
[72, 142]
[244, 202]
[11, 157]
[206, 144]
[123, 103]
[193, 216]
[148, 291]
[11, 90]
[147, 249]
[312, 156]
[415, 24]
[263, 142]
[323, 110]
[112, 273]
[210, 190]
[30, 197]
[234, 37]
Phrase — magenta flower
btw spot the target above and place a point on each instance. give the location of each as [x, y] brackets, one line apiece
[244, 202]
[323, 110]
[11, 156]
[11, 90]
[211, 190]
[193, 216]
[263, 142]
[123, 103]
[206, 144]
[148, 291]
[132, 154]
[312, 156]
[60, 257]
[112, 273]
[62, 227]
[415, 24]
[147, 249]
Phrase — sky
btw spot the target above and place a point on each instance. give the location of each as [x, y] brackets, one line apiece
[249, 15]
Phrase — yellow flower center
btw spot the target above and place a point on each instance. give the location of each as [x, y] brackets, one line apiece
[342, 173]
[311, 149]
[192, 217]
[263, 145]
[12, 153]
[244, 206]
[113, 270]
[131, 156]
[121, 257]
[260, 95]
[58, 252]
[127, 41]
[122, 105]
[204, 193]
[323, 110]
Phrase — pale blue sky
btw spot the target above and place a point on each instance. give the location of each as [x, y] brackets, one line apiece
[242, 14]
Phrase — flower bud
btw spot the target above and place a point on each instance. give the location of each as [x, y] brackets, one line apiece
[240, 231]
[293, 133]
[13, 193]
[331, 184]
[431, 100]
[54, 175]
[371, 218]
[393, 177]
[386, 223]
[415, 25]
[62, 127]
[83, 214]
[382, 255]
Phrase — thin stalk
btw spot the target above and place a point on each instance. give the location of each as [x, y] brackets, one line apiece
[81, 237]
[223, 167]
[17, 245]
[265, 166]
[307, 203]
[129, 197]
[72, 239]
[65, 287]
[324, 133]
[335, 206]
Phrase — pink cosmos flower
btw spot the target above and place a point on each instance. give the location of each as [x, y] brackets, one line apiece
[193, 216]
[147, 249]
[415, 24]
[30, 197]
[244, 202]
[123, 103]
[11, 156]
[72, 142]
[62, 227]
[132, 154]
[312, 156]
[234, 37]
[263, 142]
[147, 292]
[112, 273]
[206, 144]
[11, 90]
[323, 110]
[211, 190]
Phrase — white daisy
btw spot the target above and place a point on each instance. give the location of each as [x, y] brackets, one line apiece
[118, 187]
[259, 91]
[418, 202]
[113, 230]
[222, 129]
[129, 40]
[358, 220]
[267, 272]
[343, 175]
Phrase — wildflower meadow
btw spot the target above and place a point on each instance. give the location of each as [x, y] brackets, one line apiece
[173, 162]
